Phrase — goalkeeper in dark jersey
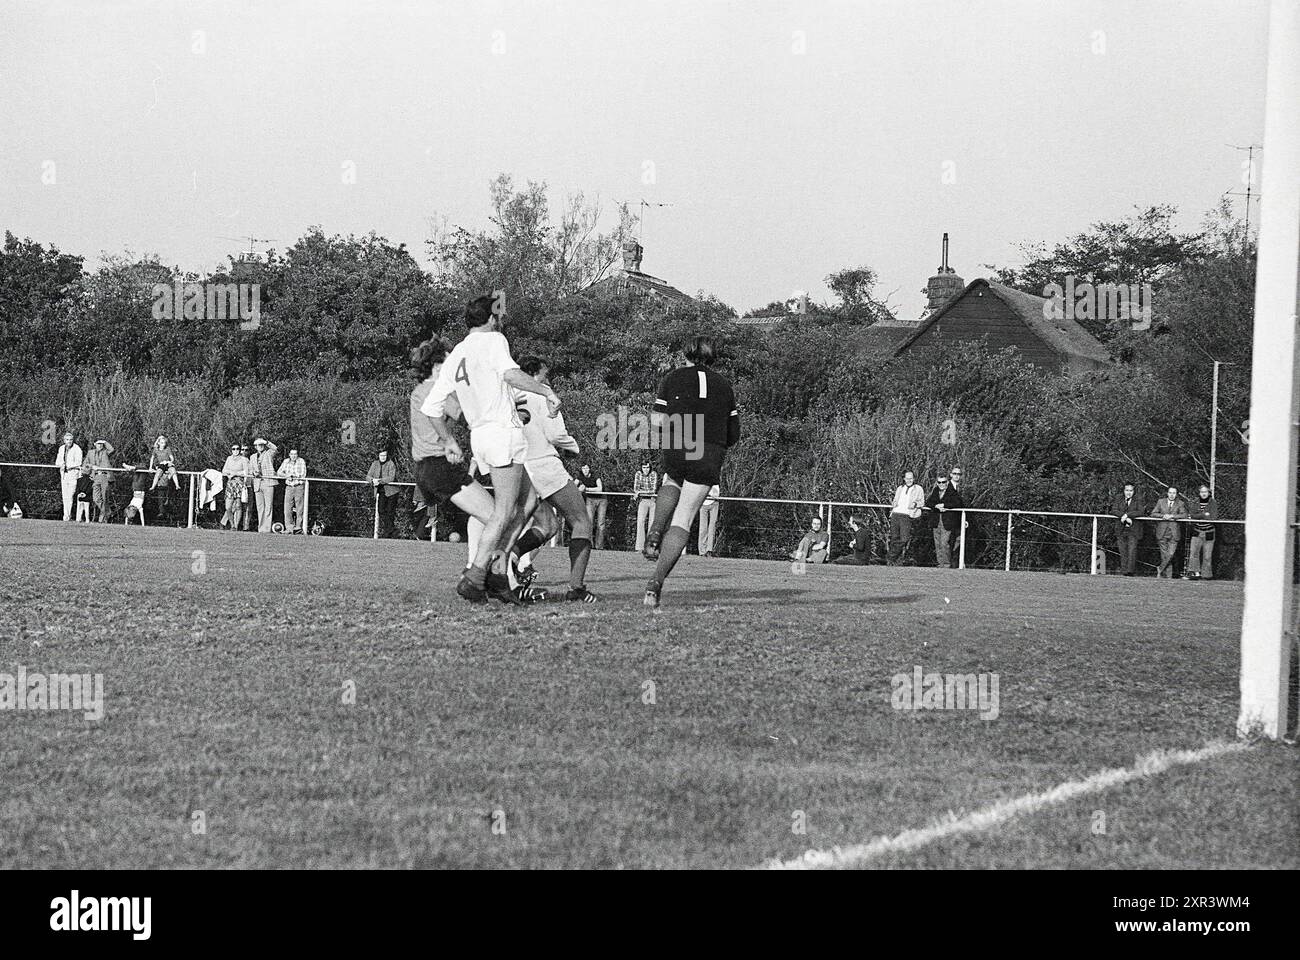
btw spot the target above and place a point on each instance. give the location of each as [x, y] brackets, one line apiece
[696, 418]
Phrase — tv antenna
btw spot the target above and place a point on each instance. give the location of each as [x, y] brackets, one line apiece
[640, 220]
[1250, 179]
[251, 241]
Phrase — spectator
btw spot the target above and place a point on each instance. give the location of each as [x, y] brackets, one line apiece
[163, 462]
[1128, 529]
[264, 482]
[235, 472]
[68, 460]
[85, 494]
[101, 474]
[709, 520]
[591, 487]
[645, 484]
[954, 484]
[861, 545]
[247, 499]
[813, 548]
[946, 502]
[293, 471]
[1200, 563]
[381, 475]
[8, 499]
[1169, 509]
[907, 506]
[140, 485]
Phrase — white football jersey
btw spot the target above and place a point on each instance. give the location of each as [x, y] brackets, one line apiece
[543, 432]
[474, 371]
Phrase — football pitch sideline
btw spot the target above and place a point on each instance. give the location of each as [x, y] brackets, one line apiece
[276, 701]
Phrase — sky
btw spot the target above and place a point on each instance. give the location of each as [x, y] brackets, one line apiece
[789, 140]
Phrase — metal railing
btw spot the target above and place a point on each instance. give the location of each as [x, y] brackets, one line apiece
[766, 528]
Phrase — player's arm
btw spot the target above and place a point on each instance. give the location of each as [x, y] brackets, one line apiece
[557, 434]
[733, 421]
[522, 381]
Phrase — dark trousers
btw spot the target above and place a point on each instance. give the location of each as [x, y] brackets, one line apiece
[387, 513]
[942, 546]
[900, 536]
[1127, 540]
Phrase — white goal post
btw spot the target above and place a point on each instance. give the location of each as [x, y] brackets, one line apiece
[1267, 619]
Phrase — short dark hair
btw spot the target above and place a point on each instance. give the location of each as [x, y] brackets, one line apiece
[479, 311]
[533, 365]
[701, 351]
[426, 356]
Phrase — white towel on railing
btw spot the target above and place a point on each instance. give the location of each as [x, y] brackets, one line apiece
[211, 483]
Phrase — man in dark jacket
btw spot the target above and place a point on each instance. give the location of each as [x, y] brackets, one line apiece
[945, 503]
[861, 554]
[1126, 509]
[382, 474]
[1200, 555]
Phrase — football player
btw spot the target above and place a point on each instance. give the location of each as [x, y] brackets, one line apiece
[480, 373]
[696, 416]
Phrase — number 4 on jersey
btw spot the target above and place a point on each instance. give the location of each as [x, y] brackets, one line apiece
[461, 375]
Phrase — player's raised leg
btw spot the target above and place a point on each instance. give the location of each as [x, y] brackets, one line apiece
[665, 507]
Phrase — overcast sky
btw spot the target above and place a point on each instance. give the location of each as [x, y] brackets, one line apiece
[791, 139]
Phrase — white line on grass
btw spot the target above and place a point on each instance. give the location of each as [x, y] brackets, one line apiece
[1004, 811]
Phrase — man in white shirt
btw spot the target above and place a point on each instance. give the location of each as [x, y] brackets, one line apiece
[68, 460]
[480, 372]
[908, 501]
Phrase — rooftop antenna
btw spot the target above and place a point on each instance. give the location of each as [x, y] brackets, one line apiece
[251, 241]
[640, 221]
[1250, 179]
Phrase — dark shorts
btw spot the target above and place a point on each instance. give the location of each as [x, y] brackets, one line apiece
[706, 469]
[438, 480]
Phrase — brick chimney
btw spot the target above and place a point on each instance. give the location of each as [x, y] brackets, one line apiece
[632, 255]
[944, 285]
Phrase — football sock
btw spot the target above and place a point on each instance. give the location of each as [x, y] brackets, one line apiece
[579, 554]
[529, 542]
[665, 506]
[476, 575]
[670, 551]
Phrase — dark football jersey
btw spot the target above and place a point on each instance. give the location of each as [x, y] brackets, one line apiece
[691, 391]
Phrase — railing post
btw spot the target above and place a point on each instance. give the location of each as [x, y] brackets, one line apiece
[1008, 563]
[830, 515]
[375, 535]
[190, 520]
[1093, 569]
[306, 503]
[961, 544]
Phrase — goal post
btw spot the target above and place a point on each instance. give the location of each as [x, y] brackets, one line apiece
[1267, 620]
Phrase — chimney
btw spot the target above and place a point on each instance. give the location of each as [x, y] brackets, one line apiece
[799, 302]
[944, 285]
[632, 255]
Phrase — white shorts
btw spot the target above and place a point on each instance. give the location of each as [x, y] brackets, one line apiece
[547, 474]
[495, 446]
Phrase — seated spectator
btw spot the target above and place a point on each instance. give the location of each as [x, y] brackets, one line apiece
[163, 462]
[8, 499]
[812, 548]
[860, 554]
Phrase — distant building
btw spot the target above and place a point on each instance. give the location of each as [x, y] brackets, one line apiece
[1006, 317]
[631, 282]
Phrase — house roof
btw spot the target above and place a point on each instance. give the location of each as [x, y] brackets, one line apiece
[1065, 336]
[636, 283]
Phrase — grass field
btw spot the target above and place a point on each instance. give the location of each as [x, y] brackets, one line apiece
[494, 737]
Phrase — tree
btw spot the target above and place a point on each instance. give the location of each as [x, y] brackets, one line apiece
[1141, 249]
